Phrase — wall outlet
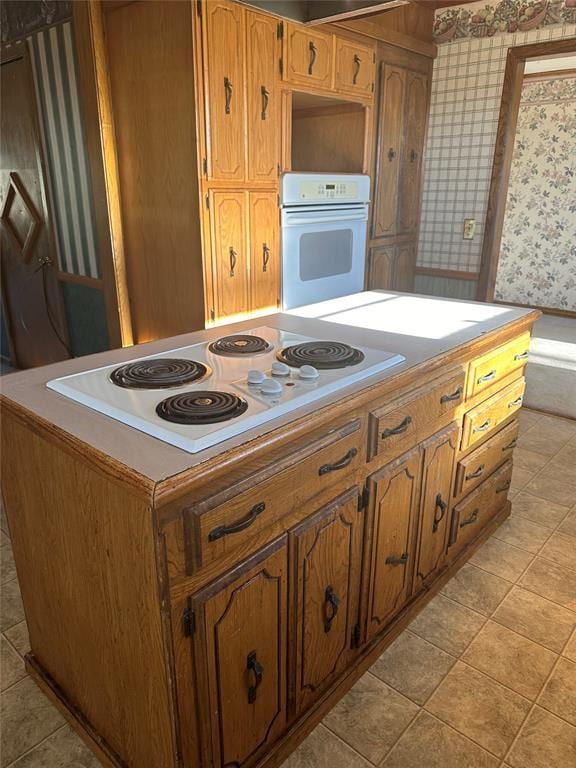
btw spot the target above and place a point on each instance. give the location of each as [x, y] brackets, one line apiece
[469, 229]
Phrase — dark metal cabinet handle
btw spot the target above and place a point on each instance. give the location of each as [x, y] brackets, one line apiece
[402, 560]
[487, 376]
[313, 51]
[233, 259]
[516, 402]
[253, 666]
[265, 99]
[477, 473]
[241, 525]
[471, 519]
[521, 356]
[265, 257]
[413, 155]
[511, 444]
[391, 154]
[402, 427]
[456, 395]
[340, 464]
[227, 95]
[331, 602]
[482, 427]
[357, 63]
[503, 488]
[443, 507]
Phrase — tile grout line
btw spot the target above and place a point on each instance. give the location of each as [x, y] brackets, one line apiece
[39, 744]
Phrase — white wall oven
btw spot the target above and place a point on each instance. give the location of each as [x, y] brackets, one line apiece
[324, 219]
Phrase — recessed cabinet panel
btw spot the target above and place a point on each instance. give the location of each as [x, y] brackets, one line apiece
[404, 267]
[325, 555]
[224, 74]
[354, 67]
[264, 250]
[382, 260]
[416, 110]
[229, 252]
[395, 492]
[308, 57]
[243, 622]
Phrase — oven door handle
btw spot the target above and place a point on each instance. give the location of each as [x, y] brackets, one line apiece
[296, 220]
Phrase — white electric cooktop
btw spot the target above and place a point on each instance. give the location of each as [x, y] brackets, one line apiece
[197, 396]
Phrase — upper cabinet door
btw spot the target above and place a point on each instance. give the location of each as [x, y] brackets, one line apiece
[224, 76]
[325, 553]
[390, 122]
[264, 251]
[308, 57]
[416, 110]
[263, 117]
[230, 261]
[354, 67]
[241, 649]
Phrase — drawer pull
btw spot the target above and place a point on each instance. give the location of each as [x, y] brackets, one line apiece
[482, 427]
[254, 666]
[516, 402]
[487, 376]
[477, 473]
[456, 395]
[443, 507]
[343, 462]
[471, 519]
[402, 427]
[511, 444]
[241, 525]
[521, 356]
[331, 602]
[397, 560]
[503, 488]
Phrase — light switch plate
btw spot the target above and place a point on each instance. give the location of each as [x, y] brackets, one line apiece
[469, 229]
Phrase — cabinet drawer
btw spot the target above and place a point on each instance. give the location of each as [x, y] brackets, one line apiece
[489, 414]
[394, 427]
[355, 67]
[478, 465]
[495, 365]
[472, 514]
[215, 526]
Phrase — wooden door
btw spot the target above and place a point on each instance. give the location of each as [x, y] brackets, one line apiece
[264, 115]
[230, 262]
[30, 292]
[325, 554]
[240, 650]
[381, 274]
[354, 67]
[308, 57]
[224, 76]
[438, 462]
[416, 110]
[264, 250]
[391, 126]
[394, 490]
[404, 267]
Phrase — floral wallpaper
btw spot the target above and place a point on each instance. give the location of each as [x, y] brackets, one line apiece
[537, 263]
[506, 16]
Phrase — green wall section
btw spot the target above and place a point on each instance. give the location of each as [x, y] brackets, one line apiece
[430, 285]
[86, 316]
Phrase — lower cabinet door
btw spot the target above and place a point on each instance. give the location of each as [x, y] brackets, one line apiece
[240, 655]
[438, 463]
[393, 516]
[325, 554]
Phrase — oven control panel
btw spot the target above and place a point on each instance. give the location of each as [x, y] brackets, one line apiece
[328, 190]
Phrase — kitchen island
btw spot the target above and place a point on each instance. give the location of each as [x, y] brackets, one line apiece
[208, 608]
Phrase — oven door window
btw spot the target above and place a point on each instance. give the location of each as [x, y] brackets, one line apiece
[325, 254]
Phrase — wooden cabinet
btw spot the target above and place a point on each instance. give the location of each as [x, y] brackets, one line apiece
[354, 67]
[229, 252]
[392, 267]
[240, 646]
[415, 114]
[325, 556]
[308, 57]
[438, 462]
[393, 516]
[264, 250]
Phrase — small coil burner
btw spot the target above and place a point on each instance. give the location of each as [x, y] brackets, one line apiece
[240, 344]
[158, 373]
[201, 407]
[321, 354]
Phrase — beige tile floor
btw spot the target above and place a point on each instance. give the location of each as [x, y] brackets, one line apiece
[484, 677]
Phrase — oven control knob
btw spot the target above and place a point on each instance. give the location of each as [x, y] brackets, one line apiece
[271, 387]
[280, 369]
[308, 372]
[255, 377]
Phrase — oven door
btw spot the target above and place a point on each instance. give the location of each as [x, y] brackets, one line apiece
[323, 253]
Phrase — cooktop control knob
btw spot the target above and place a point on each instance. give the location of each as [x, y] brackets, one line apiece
[255, 377]
[308, 372]
[271, 387]
[280, 369]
